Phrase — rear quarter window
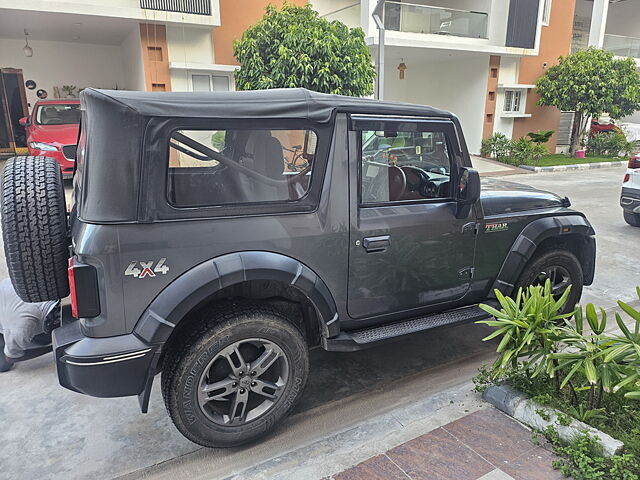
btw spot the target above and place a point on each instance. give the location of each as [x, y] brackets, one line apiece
[224, 167]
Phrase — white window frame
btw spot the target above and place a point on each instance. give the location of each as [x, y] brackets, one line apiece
[546, 12]
[514, 100]
[210, 74]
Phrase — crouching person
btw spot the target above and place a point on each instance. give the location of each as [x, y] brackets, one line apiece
[25, 328]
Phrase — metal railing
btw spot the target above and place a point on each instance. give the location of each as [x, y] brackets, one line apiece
[195, 7]
[622, 46]
[349, 15]
[417, 18]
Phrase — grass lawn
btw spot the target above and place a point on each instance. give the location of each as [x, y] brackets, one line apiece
[560, 159]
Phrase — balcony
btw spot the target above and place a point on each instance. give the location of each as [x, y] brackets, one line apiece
[349, 15]
[622, 46]
[195, 7]
[416, 18]
[200, 13]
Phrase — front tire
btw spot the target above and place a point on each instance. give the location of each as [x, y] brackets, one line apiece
[631, 218]
[562, 268]
[234, 375]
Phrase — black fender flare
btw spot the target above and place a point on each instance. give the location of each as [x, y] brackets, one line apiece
[533, 235]
[192, 287]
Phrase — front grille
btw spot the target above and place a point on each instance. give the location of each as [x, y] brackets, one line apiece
[69, 152]
[196, 7]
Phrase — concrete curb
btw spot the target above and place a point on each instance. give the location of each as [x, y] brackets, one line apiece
[525, 410]
[578, 166]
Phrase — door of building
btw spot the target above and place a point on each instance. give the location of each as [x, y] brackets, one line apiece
[13, 106]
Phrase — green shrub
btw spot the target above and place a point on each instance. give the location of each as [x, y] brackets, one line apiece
[573, 364]
[496, 146]
[541, 136]
[514, 152]
[609, 144]
[582, 459]
[526, 152]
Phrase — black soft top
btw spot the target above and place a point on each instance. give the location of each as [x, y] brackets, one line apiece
[114, 122]
[277, 103]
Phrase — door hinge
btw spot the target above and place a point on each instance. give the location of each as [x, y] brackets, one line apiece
[466, 273]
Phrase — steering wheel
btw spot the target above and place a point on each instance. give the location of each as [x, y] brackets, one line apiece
[430, 190]
[423, 180]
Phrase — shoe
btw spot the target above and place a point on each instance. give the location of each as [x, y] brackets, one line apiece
[5, 363]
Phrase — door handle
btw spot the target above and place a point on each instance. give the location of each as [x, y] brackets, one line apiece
[376, 244]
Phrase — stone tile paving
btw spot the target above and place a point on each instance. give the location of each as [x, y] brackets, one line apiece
[484, 445]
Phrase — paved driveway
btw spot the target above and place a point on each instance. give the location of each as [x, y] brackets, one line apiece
[49, 432]
[597, 193]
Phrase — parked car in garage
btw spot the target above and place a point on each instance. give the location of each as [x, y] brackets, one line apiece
[195, 252]
[52, 131]
[630, 196]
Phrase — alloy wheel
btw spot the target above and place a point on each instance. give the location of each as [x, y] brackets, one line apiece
[559, 278]
[243, 382]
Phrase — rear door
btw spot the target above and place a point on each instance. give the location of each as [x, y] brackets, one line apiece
[408, 250]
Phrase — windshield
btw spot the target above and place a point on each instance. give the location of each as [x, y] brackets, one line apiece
[58, 114]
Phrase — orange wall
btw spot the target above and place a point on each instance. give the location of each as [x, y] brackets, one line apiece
[155, 57]
[554, 42]
[235, 17]
[490, 102]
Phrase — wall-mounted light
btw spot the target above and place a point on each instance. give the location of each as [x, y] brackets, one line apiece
[402, 67]
[28, 51]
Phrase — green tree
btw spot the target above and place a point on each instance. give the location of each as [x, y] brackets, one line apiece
[591, 82]
[294, 47]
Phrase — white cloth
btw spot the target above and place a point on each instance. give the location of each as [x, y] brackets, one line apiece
[631, 131]
[20, 321]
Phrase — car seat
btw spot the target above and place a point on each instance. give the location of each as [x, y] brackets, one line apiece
[264, 154]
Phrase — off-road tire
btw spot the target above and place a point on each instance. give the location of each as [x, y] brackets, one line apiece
[201, 341]
[34, 228]
[632, 219]
[555, 257]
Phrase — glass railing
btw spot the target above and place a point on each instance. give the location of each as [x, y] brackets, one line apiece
[416, 18]
[622, 46]
[349, 15]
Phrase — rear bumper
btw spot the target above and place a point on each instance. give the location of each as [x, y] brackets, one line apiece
[630, 200]
[102, 367]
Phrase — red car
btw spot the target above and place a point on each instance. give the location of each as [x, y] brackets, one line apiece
[52, 131]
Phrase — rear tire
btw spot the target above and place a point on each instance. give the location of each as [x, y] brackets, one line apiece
[631, 218]
[34, 228]
[565, 264]
[215, 403]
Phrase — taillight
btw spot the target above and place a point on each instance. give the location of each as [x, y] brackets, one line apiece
[83, 287]
[626, 178]
[72, 289]
[634, 162]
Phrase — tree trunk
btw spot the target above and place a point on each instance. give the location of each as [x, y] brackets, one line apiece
[576, 132]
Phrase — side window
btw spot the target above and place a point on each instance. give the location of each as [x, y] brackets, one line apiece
[221, 167]
[404, 165]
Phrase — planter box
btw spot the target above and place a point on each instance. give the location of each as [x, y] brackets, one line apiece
[525, 410]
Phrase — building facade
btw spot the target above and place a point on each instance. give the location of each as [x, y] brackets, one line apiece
[153, 45]
[477, 58]
[481, 58]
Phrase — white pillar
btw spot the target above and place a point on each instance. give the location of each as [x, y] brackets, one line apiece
[598, 23]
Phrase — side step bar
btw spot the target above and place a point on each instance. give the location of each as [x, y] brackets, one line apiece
[369, 337]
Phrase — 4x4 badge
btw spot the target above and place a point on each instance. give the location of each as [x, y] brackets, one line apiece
[147, 269]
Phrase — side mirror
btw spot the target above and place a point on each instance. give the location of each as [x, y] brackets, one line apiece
[24, 121]
[468, 192]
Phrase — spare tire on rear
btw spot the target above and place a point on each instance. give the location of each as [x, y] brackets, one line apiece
[34, 228]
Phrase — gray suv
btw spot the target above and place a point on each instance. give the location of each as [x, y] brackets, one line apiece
[215, 237]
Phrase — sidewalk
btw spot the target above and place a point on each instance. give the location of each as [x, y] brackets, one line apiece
[490, 168]
[486, 445]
